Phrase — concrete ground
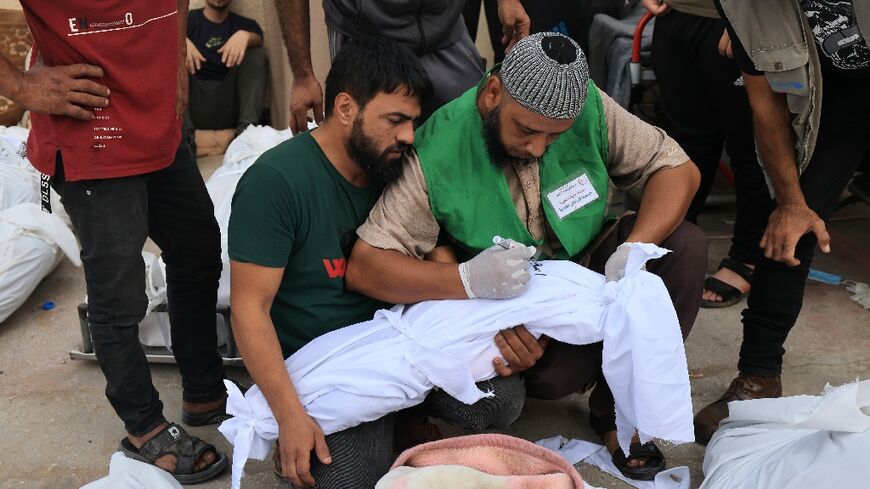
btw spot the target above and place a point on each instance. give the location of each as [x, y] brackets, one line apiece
[59, 432]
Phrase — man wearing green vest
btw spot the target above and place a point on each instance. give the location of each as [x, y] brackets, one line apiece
[528, 155]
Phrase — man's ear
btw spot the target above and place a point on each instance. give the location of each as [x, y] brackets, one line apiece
[345, 109]
[492, 93]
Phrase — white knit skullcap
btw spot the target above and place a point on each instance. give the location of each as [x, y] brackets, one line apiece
[547, 73]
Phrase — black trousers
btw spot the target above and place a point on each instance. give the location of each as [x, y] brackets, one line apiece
[112, 219]
[777, 290]
[706, 106]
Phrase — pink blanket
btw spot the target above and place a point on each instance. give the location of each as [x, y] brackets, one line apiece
[481, 461]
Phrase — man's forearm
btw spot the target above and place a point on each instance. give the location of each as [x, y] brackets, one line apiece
[775, 139]
[390, 276]
[258, 343]
[666, 197]
[295, 21]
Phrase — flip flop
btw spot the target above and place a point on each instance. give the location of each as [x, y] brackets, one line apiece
[730, 295]
[655, 459]
[173, 440]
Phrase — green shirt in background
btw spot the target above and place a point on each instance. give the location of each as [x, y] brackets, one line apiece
[293, 210]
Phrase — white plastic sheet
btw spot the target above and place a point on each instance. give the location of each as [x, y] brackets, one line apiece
[364, 371]
[794, 442]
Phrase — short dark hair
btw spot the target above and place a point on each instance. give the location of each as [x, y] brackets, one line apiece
[365, 67]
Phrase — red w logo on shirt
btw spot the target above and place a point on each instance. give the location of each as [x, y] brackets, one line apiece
[335, 267]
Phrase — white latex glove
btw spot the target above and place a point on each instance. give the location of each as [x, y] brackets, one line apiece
[497, 273]
[614, 269]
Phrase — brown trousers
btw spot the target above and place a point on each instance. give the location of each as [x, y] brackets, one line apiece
[565, 369]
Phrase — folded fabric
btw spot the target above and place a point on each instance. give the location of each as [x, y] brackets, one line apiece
[362, 372]
[576, 451]
[489, 461]
[793, 442]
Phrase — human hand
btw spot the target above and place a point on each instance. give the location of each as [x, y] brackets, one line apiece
[497, 273]
[655, 7]
[514, 21]
[297, 437]
[194, 60]
[61, 90]
[305, 94]
[725, 45]
[233, 51]
[786, 225]
[614, 269]
[520, 350]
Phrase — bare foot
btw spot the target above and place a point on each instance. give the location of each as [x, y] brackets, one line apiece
[731, 278]
[612, 444]
[168, 462]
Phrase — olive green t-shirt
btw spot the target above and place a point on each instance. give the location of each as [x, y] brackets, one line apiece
[293, 210]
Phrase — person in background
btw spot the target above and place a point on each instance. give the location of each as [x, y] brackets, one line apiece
[705, 105]
[227, 67]
[434, 31]
[106, 128]
[806, 73]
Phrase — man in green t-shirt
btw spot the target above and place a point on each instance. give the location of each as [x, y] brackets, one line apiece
[293, 224]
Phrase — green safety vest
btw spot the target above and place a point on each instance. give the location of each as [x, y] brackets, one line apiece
[469, 196]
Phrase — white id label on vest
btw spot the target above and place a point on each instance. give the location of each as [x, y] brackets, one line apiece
[572, 196]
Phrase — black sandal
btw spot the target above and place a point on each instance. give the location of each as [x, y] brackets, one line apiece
[173, 440]
[730, 295]
[655, 459]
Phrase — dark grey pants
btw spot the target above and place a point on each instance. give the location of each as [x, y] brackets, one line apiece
[452, 70]
[231, 103]
[363, 454]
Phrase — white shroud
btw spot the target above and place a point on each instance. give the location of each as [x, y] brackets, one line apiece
[364, 371]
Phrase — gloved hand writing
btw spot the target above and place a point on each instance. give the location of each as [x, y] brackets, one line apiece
[497, 273]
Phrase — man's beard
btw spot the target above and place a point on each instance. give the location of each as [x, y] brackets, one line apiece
[378, 167]
[218, 7]
[498, 154]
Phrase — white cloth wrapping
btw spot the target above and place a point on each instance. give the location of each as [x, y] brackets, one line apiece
[793, 442]
[126, 473]
[576, 451]
[32, 243]
[365, 371]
